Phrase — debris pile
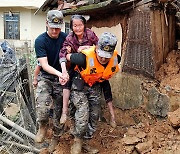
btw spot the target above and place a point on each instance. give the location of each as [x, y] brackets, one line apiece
[17, 120]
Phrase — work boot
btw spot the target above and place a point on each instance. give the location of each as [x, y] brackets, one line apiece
[77, 146]
[39, 138]
[53, 144]
[89, 149]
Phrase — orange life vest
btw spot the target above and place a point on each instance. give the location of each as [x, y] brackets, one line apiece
[94, 71]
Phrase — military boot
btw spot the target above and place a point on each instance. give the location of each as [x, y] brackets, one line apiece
[53, 144]
[89, 149]
[77, 146]
[39, 138]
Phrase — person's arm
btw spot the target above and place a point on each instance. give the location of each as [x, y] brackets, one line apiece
[36, 72]
[46, 67]
[64, 51]
[111, 111]
[106, 87]
[66, 94]
[62, 56]
[77, 59]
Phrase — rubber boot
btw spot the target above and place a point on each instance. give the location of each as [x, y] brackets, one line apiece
[77, 146]
[53, 144]
[89, 149]
[39, 138]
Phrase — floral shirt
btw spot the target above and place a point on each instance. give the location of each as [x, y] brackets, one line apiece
[89, 39]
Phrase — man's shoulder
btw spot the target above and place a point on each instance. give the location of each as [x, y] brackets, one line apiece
[64, 35]
[41, 37]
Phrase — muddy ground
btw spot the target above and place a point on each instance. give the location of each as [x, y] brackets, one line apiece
[137, 130]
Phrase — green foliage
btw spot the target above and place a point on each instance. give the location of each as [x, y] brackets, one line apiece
[32, 60]
[14, 118]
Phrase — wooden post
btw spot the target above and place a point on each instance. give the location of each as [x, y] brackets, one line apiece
[29, 75]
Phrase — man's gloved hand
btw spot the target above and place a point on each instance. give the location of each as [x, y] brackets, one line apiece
[63, 118]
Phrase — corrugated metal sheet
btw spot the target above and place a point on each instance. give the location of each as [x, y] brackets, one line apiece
[138, 54]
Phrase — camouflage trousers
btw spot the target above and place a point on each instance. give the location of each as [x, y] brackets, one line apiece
[49, 91]
[87, 104]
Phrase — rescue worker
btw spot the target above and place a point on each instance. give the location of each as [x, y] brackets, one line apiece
[94, 67]
[80, 38]
[49, 89]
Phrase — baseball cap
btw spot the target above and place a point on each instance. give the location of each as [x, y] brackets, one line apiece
[106, 45]
[55, 19]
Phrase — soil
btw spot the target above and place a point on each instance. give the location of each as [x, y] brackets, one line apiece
[137, 130]
[169, 72]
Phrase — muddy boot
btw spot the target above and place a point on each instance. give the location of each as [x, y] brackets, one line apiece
[89, 149]
[39, 138]
[53, 144]
[77, 146]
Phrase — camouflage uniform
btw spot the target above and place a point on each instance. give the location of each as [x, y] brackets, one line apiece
[49, 91]
[87, 103]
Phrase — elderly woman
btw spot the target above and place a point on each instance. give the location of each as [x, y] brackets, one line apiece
[80, 38]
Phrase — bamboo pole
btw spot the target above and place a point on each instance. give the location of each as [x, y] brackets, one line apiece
[19, 128]
[29, 75]
[30, 148]
[24, 110]
[11, 133]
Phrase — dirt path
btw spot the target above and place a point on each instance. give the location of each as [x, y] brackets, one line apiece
[137, 132]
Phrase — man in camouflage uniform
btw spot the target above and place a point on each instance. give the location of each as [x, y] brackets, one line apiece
[94, 67]
[49, 89]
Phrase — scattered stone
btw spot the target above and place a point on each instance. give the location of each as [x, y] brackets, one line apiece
[144, 147]
[158, 103]
[168, 88]
[174, 118]
[129, 149]
[131, 132]
[179, 130]
[11, 110]
[131, 140]
[141, 135]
